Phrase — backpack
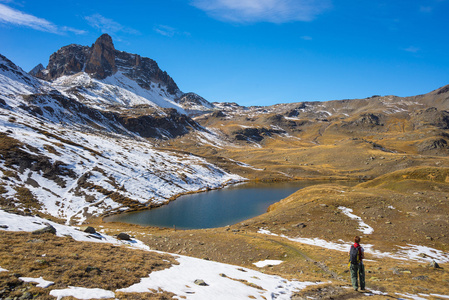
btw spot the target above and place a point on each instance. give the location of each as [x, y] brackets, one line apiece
[354, 256]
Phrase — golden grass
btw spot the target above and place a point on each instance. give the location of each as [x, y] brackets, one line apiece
[70, 263]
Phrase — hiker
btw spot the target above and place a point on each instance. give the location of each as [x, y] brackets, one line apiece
[356, 256]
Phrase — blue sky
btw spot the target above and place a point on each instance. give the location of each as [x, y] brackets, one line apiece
[253, 52]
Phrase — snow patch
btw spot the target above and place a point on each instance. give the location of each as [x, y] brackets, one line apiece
[420, 253]
[40, 281]
[363, 227]
[82, 293]
[411, 296]
[268, 262]
[409, 252]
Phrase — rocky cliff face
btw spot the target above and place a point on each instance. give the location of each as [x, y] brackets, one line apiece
[144, 71]
[101, 63]
[102, 60]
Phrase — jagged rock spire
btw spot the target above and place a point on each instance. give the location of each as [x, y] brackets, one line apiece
[101, 63]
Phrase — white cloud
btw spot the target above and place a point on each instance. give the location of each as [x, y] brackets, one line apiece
[412, 49]
[165, 30]
[274, 11]
[108, 25]
[15, 17]
[169, 31]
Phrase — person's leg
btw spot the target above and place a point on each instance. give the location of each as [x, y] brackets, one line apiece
[354, 271]
[362, 276]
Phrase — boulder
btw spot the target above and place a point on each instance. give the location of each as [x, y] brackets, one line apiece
[299, 225]
[93, 269]
[26, 295]
[46, 229]
[200, 282]
[434, 264]
[88, 229]
[123, 236]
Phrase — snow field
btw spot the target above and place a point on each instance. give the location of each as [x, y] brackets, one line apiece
[180, 279]
[127, 166]
[115, 90]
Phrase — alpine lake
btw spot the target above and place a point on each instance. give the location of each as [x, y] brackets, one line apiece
[216, 208]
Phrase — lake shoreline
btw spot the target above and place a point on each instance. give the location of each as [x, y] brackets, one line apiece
[291, 185]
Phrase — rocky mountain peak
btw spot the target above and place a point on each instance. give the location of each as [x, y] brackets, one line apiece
[74, 66]
[101, 63]
[36, 69]
[102, 60]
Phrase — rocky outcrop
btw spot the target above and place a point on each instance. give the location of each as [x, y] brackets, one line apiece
[292, 113]
[442, 90]
[68, 60]
[255, 134]
[369, 120]
[98, 60]
[101, 63]
[366, 122]
[189, 100]
[144, 71]
[172, 125]
[280, 121]
[434, 146]
[431, 117]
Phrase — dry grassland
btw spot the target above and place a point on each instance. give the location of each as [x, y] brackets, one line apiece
[67, 262]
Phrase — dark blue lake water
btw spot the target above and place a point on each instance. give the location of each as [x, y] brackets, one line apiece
[215, 208]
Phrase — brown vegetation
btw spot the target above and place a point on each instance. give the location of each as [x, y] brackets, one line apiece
[67, 262]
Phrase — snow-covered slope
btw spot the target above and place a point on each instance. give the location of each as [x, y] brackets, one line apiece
[115, 90]
[66, 159]
[72, 174]
[14, 81]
